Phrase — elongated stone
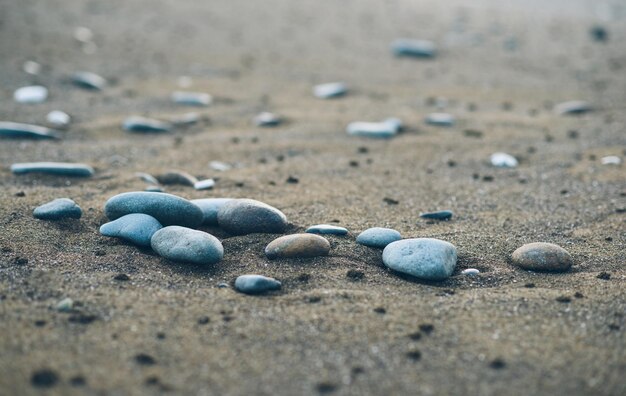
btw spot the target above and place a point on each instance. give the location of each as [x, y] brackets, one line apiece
[54, 168]
[205, 184]
[266, 119]
[145, 125]
[572, 107]
[256, 284]
[26, 131]
[330, 90]
[297, 246]
[385, 129]
[192, 98]
[414, 48]
[89, 80]
[58, 209]
[137, 228]
[186, 245]
[440, 119]
[31, 95]
[438, 215]
[326, 229]
[177, 177]
[248, 216]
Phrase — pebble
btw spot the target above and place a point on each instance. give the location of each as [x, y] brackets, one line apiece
[297, 246]
[611, 160]
[192, 98]
[438, 215]
[385, 129]
[58, 209]
[572, 107]
[148, 178]
[423, 258]
[378, 237]
[54, 168]
[210, 207]
[143, 124]
[326, 229]
[256, 284]
[205, 184]
[168, 209]
[266, 119]
[89, 80]
[503, 160]
[177, 177]
[186, 119]
[541, 256]
[83, 34]
[220, 166]
[440, 119]
[154, 189]
[414, 48]
[65, 305]
[137, 228]
[18, 130]
[470, 272]
[31, 94]
[330, 90]
[186, 245]
[31, 67]
[58, 118]
[248, 216]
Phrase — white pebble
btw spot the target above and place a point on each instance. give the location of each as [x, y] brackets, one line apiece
[83, 34]
[266, 119]
[192, 98]
[503, 160]
[470, 271]
[65, 305]
[220, 166]
[611, 160]
[58, 118]
[206, 184]
[31, 94]
[31, 67]
[440, 119]
[330, 90]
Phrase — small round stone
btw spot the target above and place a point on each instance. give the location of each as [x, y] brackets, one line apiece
[326, 229]
[423, 258]
[470, 272]
[210, 207]
[31, 94]
[256, 284]
[541, 256]
[248, 216]
[137, 228]
[297, 246]
[378, 237]
[58, 209]
[186, 245]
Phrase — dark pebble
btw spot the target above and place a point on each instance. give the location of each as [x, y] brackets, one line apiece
[44, 378]
[145, 359]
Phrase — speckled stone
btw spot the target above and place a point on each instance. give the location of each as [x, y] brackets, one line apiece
[210, 207]
[54, 168]
[378, 237]
[186, 245]
[297, 246]
[541, 256]
[58, 209]
[248, 216]
[327, 229]
[423, 258]
[256, 284]
[168, 209]
[137, 228]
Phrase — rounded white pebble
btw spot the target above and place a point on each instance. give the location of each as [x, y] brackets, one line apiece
[611, 160]
[31, 67]
[503, 160]
[58, 118]
[31, 94]
[206, 184]
[470, 271]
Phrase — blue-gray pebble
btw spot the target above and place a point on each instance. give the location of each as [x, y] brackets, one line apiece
[61, 208]
[378, 237]
[438, 215]
[210, 207]
[423, 258]
[137, 228]
[327, 229]
[53, 168]
[248, 216]
[256, 284]
[186, 245]
[168, 209]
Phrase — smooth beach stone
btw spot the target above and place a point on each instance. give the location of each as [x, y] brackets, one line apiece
[54, 168]
[210, 207]
[248, 216]
[297, 246]
[65, 305]
[192, 98]
[31, 67]
[177, 177]
[423, 258]
[378, 237]
[148, 178]
[186, 119]
[31, 94]
[58, 118]
[438, 215]
[168, 209]
[145, 125]
[137, 228]
[503, 160]
[414, 48]
[256, 284]
[266, 119]
[60, 208]
[611, 160]
[330, 90]
[326, 229]
[220, 166]
[572, 107]
[385, 129]
[18, 130]
[470, 272]
[542, 256]
[186, 245]
[205, 184]
[440, 119]
[89, 80]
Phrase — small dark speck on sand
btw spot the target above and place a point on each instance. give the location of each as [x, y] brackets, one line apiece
[497, 364]
[414, 355]
[326, 387]
[203, 320]
[82, 318]
[44, 378]
[78, 380]
[355, 275]
[145, 359]
[604, 276]
[564, 299]
[380, 310]
[427, 328]
[121, 277]
[529, 285]
[390, 201]
[415, 336]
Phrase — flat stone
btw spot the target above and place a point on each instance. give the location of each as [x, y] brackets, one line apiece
[89, 80]
[205, 184]
[65, 305]
[154, 189]
[31, 67]
[572, 107]
[297, 246]
[220, 166]
[145, 125]
[54, 168]
[26, 131]
[330, 90]
[177, 177]
[58, 209]
[192, 98]
[423, 258]
[470, 272]
[31, 95]
[248, 216]
[266, 119]
[326, 229]
[210, 207]
[503, 160]
[168, 209]
[414, 48]
[136, 228]
[385, 129]
[440, 119]
[438, 215]
[58, 118]
[186, 245]
[611, 160]
[148, 178]
[256, 284]
[542, 256]
[186, 119]
[378, 237]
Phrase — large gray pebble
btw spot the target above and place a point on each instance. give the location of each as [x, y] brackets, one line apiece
[542, 256]
[424, 258]
[58, 209]
[168, 209]
[137, 228]
[210, 207]
[256, 284]
[378, 237]
[297, 246]
[248, 216]
[53, 168]
[186, 245]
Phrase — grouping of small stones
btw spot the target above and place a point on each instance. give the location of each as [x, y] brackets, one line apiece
[168, 225]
